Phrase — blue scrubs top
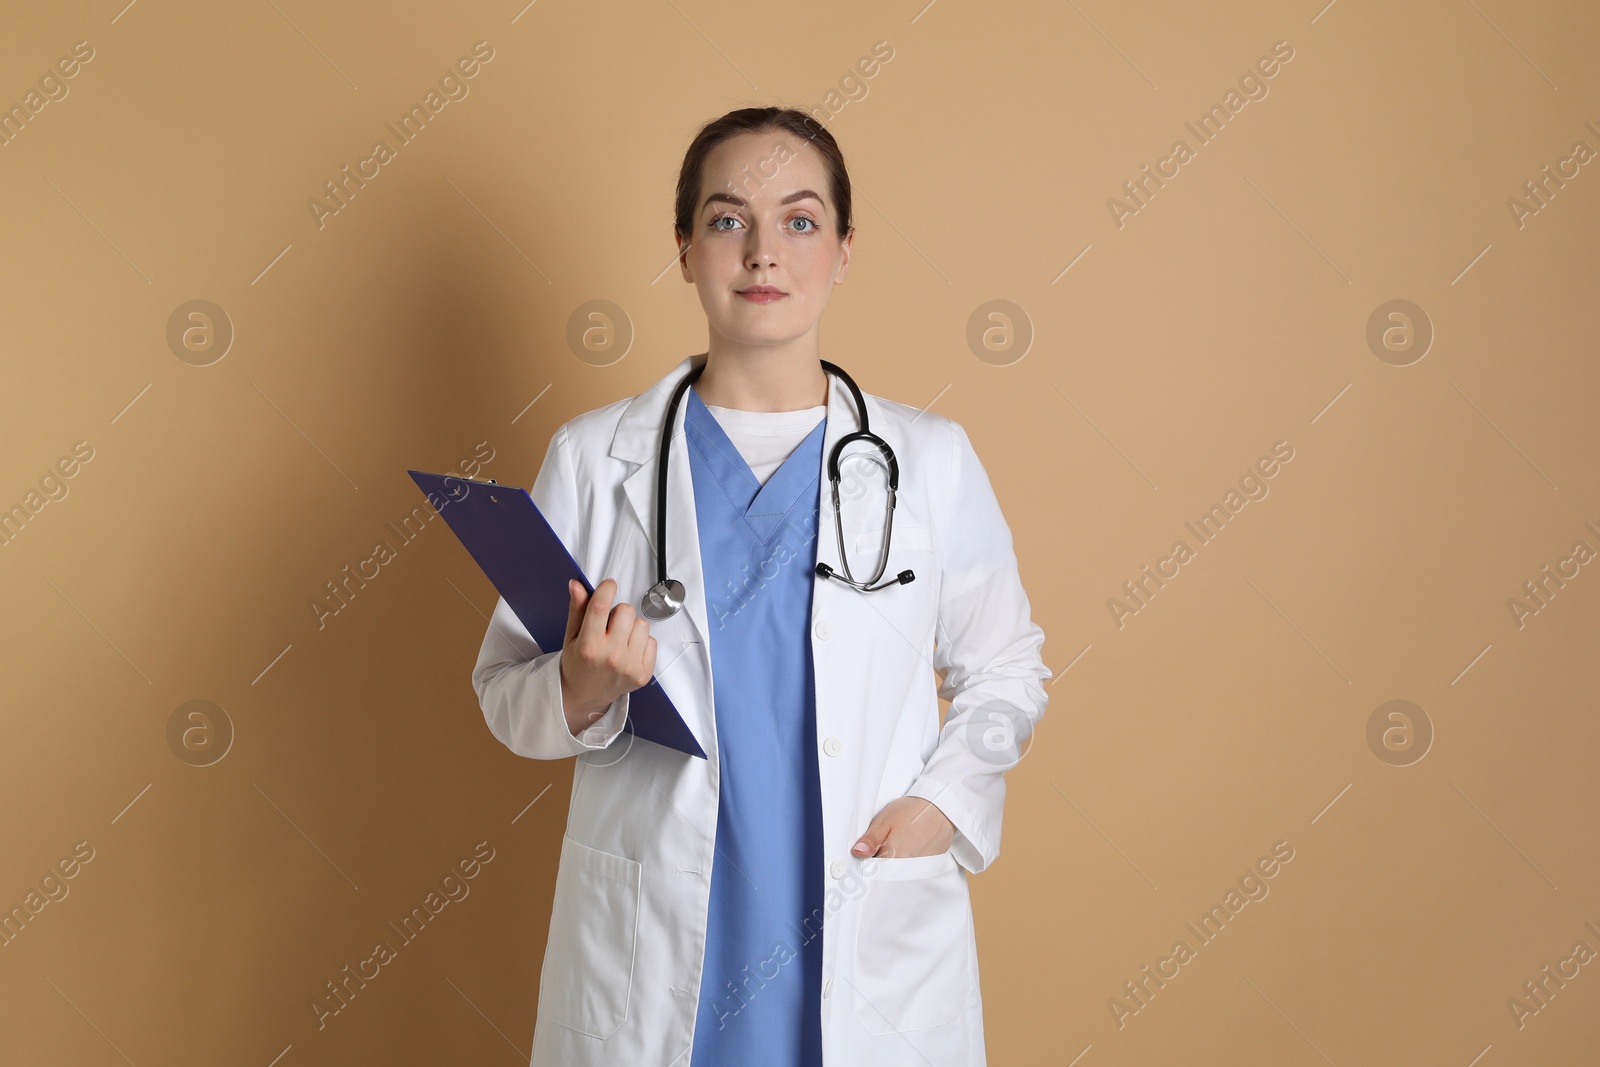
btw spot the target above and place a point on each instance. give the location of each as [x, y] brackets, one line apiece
[760, 991]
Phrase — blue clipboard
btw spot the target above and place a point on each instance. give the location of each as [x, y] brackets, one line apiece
[513, 544]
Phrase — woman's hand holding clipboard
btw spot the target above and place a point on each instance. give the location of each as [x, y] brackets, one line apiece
[608, 651]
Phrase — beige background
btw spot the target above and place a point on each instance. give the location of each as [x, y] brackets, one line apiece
[1229, 313]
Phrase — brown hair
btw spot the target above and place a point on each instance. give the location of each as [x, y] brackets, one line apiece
[759, 120]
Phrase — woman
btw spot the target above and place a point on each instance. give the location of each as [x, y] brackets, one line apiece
[802, 890]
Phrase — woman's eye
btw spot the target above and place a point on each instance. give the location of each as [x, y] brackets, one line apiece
[722, 218]
[811, 223]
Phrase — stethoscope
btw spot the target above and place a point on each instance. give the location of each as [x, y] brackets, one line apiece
[663, 599]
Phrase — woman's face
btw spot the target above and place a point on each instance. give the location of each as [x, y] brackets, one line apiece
[764, 219]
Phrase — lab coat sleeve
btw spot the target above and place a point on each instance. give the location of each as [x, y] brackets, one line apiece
[519, 684]
[987, 652]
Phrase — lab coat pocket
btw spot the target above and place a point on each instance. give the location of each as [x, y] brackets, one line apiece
[902, 616]
[911, 945]
[588, 963]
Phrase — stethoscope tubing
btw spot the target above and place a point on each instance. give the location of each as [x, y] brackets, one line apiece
[667, 595]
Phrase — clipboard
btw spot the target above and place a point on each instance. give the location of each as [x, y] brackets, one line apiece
[513, 544]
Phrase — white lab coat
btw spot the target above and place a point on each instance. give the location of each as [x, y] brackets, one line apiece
[623, 964]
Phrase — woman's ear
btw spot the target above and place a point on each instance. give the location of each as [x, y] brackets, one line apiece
[683, 255]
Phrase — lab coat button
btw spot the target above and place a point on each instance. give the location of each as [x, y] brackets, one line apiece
[838, 869]
[823, 629]
[832, 746]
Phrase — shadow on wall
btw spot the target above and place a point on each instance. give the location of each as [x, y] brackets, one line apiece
[362, 767]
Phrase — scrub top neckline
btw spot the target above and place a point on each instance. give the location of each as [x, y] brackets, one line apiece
[764, 506]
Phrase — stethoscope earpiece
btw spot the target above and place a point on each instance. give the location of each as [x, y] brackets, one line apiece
[903, 578]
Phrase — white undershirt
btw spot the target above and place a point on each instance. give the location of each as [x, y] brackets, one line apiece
[766, 438]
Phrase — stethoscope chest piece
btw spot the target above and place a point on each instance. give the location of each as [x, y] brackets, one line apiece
[663, 600]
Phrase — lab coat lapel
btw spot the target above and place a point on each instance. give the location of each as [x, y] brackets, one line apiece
[638, 440]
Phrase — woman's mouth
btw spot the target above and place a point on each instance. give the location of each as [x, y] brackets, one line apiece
[762, 294]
